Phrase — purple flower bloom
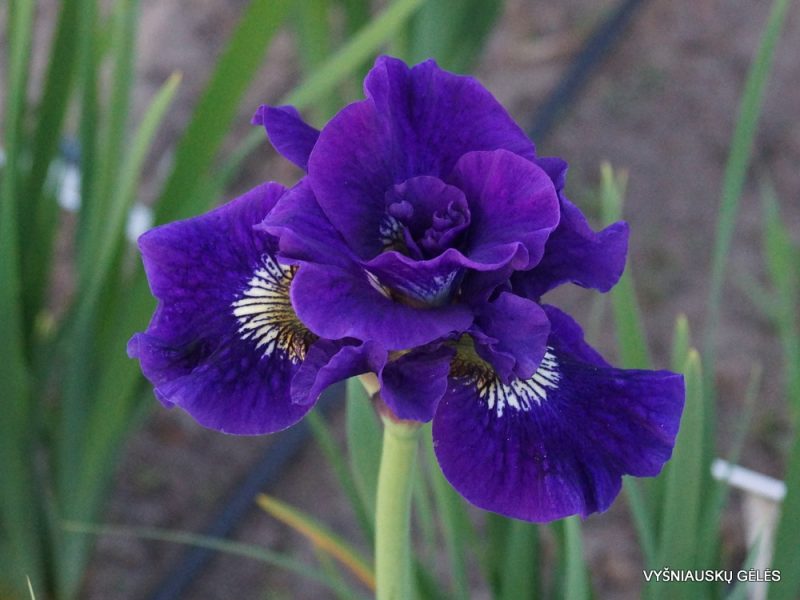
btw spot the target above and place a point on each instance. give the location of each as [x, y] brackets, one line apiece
[417, 246]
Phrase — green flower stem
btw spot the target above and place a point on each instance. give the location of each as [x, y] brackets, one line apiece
[393, 510]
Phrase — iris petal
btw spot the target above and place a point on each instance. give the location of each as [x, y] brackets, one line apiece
[574, 252]
[513, 206]
[340, 303]
[415, 121]
[413, 384]
[224, 342]
[288, 133]
[558, 443]
[514, 333]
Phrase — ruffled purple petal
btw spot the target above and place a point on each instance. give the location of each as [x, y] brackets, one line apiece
[304, 231]
[558, 443]
[427, 283]
[352, 168]
[513, 206]
[224, 342]
[414, 122]
[515, 332]
[339, 303]
[288, 133]
[435, 116]
[328, 362]
[574, 252]
[430, 214]
[413, 384]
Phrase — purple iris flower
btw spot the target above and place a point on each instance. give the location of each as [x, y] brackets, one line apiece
[417, 246]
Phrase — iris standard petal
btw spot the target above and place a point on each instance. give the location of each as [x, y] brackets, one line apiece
[340, 303]
[436, 116]
[574, 252]
[303, 230]
[353, 165]
[287, 132]
[513, 206]
[556, 444]
[415, 121]
[224, 342]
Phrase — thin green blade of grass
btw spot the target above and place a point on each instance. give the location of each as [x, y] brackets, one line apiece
[112, 135]
[456, 526]
[358, 14]
[321, 537]
[338, 463]
[786, 555]
[632, 340]
[38, 220]
[741, 589]
[708, 538]
[576, 576]
[634, 354]
[19, 510]
[244, 550]
[325, 78]
[684, 492]
[681, 343]
[735, 174]
[128, 175]
[89, 58]
[341, 589]
[76, 384]
[781, 259]
[216, 110]
[363, 443]
[642, 519]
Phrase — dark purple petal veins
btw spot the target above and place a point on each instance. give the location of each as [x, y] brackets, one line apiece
[558, 443]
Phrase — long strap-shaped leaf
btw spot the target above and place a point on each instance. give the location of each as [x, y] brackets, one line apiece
[18, 523]
[216, 110]
[736, 172]
[321, 538]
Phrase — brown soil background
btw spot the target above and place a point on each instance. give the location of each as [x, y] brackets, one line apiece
[663, 106]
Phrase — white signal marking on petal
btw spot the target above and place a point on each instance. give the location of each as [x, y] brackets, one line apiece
[390, 231]
[265, 314]
[519, 394]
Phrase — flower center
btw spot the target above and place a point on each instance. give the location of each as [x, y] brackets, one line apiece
[265, 314]
[424, 217]
[519, 395]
